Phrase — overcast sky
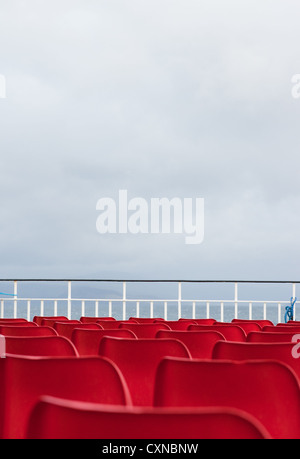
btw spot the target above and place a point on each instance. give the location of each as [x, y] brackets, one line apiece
[163, 98]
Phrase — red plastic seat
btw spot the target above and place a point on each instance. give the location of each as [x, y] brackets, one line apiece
[18, 323]
[54, 418]
[66, 328]
[230, 332]
[113, 323]
[261, 322]
[282, 352]
[146, 320]
[208, 321]
[90, 379]
[199, 343]
[87, 341]
[11, 330]
[4, 321]
[282, 328]
[38, 319]
[179, 324]
[247, 326]
[51, 322]
[93, 319]
[268, 390]
[145, 330]
[269, 337]
[138, 360]
[40, 346]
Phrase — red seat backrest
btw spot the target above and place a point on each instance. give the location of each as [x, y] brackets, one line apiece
[138, 360]
[282, 352]
[91, 379]
[268, 390]
[54, 418]
[66, 328]
[58, 346]
[230, 332]
[199, 343]
[87, 341]
[145, 330]
[11, 330]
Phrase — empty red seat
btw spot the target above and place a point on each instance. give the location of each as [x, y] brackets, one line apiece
[11, 330]
[146, 320]
[40, 346]
[230, 332]
[4, 321]
[90, 379]
[138, 360]
[247, 326]
[39, 319]
[54, 418]
[18, 323]
[199, 343]
[179, 324]
[145, 330]
[207, 321]
[261, 322]
[87, 319]
[66, 328]
[112, 323]
[269, 337]
[282, 328]
[51, 322]
[268, 390]
[87, 341]
[282, 352]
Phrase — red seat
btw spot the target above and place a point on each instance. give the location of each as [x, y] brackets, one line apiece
[66, 328]
[269, 337]
[38, 319]
[199, 343]
[247, 326]
[282, 352]
[11, 330]
[90, 379]
[267, 390]
[18, 323]
[54, 418]
[179, 324]
[230, 332]
[282, 328]
[51, 322]
[87, 341]
[93, 319]
[112, 323]
[138, 360]
[12, 320]
[208, 321]
[146, 320]
[261, 322]
[145, 330]
[40, 346]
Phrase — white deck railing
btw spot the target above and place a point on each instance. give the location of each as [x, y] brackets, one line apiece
[13, 303]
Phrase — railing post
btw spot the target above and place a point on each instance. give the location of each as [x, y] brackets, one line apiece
[69, 299]
[124, 300]
[15, 298]
[179, 300]
[294, 296]
[235, 300]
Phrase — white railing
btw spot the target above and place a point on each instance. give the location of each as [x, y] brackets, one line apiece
[14, 304]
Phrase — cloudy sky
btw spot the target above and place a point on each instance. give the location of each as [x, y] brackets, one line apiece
[163, 98]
